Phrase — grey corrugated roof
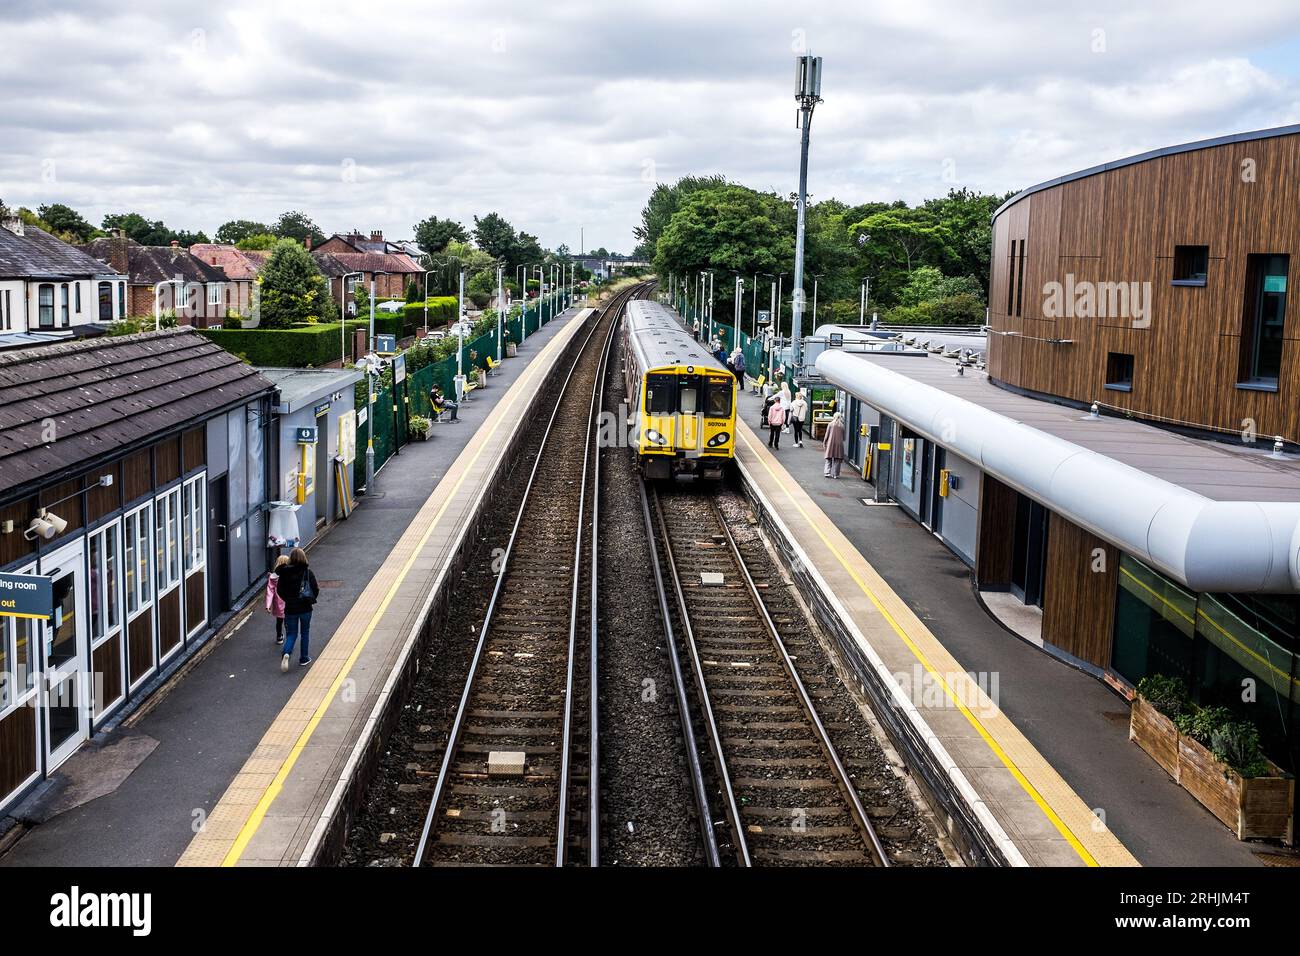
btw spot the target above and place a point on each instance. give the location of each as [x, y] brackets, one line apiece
[1218, 470]
[38, 255]
[108, 394]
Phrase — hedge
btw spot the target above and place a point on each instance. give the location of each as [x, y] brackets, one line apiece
[305, 346]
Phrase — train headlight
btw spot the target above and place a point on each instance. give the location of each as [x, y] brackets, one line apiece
[721, 438]
[653, 436]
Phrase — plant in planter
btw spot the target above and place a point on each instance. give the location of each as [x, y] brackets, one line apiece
[419, 427]
[1215, 757]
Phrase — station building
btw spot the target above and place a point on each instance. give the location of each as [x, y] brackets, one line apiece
[134, 473]
[1124, 482]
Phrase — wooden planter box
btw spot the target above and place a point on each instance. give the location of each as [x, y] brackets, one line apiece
[511, 350]
[421, 435]
[1254, 808]
[1156, 734]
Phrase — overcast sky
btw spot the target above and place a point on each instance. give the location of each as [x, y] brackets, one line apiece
[562, 115]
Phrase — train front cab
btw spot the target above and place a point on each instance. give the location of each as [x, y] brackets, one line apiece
[688, 418]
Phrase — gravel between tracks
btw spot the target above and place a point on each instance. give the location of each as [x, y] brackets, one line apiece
[643, 775]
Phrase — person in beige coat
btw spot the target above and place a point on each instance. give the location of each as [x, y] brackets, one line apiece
[833, 446]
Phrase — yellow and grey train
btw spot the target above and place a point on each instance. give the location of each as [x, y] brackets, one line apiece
[682, 400]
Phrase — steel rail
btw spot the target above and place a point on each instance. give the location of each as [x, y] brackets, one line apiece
[706, 706]
[698, 787]
[453, 740]
[841, 775]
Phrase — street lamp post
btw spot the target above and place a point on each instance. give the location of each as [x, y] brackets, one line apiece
[373, 276]
[864, 290]
[711, 328]
[808, 88]
[754, 322]
[501, 326]
[740, 291]
[426, 300]
[343, 317]
[812, 325]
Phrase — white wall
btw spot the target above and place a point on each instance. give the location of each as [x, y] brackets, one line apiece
[89, 304]
[18, 321]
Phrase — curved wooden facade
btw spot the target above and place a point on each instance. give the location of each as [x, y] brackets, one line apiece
[1195, 353]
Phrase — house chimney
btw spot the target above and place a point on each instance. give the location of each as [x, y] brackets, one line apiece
[175, 243]
[12, 223]
[376, 235]
[307, 242]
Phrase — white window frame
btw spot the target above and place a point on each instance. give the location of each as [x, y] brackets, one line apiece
[135, 519]
[9, 637]
[164, 579]
[214, 293]
[101, 582]
[193, 514]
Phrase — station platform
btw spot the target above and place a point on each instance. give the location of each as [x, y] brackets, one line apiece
[1047, 768]
[235, 762]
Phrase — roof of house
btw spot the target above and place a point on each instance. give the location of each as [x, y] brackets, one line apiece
[37, 254]
[335, 264]
[238, 264]
[108, 395]
[149, 265]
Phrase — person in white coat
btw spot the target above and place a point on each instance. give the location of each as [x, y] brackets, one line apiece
[786, 400]
[798, 415]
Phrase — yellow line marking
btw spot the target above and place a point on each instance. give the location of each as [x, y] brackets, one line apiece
[975, 722]
[254, 821]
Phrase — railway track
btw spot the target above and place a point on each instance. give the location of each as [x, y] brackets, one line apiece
[514, 786]
[784, 792]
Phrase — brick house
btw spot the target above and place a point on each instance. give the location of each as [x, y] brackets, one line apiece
[241, 266]
[180, 282]
[344, 254]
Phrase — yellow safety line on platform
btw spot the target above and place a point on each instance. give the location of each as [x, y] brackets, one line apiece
[254, 821]
[975, 722]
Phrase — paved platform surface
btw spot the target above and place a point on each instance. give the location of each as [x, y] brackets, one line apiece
[1055, 748]
[189, 750]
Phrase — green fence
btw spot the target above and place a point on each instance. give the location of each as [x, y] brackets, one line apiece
[392, 413]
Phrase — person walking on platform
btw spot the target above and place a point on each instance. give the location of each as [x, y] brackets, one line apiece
[695, 330]
[298, 587]
[275, 603]
[738, 367]
[786, 400]
[798, 414]
[775, 419]
[833, 446]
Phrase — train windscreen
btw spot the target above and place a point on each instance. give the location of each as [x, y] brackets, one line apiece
[660, 394]
[718, 398]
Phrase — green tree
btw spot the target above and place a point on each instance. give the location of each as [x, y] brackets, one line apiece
[482, 286]
[495, 236]
[293, 288]
[66, 222]
[238, 230]
[258, 241]
[137, 227]
[433, 234]
[659, 208]
[299, 227]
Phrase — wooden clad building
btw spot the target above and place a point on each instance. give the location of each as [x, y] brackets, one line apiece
[1158, 286]
[133, 474]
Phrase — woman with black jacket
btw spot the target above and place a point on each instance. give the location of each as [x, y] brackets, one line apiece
[298, 587]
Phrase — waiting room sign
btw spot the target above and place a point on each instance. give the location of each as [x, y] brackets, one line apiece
[26, 595]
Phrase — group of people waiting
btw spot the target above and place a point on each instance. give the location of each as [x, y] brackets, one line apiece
[734, 363]
[785, 411]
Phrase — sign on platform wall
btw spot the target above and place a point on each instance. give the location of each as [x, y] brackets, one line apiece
[348, 436]
[764, 316]
[305, 436]
[385, 344]
[909, 463]
[399, 369]
[26, 595]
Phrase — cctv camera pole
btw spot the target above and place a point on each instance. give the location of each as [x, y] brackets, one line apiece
[808, 84]
[500, 299]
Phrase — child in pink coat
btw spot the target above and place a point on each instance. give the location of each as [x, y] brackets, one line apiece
[275, 603]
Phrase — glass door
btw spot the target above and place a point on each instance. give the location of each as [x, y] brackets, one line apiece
[66, 714]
